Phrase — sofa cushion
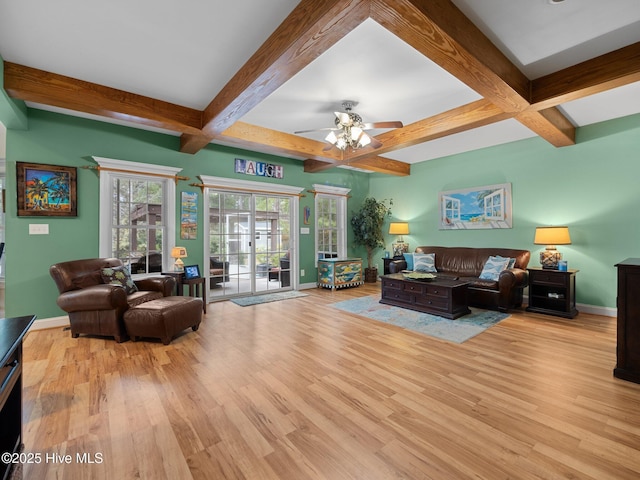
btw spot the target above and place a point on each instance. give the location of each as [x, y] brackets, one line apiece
[119, 276]
[493, 267]
[424, 262]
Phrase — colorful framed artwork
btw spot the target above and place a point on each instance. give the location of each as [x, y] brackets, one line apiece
[46, 190]
[189, 216]
[476, 208]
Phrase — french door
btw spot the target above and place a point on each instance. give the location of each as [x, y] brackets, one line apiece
[250, 242]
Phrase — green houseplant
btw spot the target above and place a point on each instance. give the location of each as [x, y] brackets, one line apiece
[367, 225]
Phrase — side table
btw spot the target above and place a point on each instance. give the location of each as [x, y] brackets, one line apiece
[552, 292]
[195, 286]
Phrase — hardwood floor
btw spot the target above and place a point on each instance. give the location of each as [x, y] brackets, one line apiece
[299, 390]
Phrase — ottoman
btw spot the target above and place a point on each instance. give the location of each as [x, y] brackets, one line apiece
[163, 318]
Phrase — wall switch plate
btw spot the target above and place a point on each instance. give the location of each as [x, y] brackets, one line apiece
[302, 272]
[304, 231]
[38, 229]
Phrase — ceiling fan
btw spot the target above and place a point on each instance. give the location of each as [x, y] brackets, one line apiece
[349, 131]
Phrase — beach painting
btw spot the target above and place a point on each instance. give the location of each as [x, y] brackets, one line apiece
[476, 208]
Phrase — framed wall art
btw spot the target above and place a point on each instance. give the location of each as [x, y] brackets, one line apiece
[476, 208]
[46, 190]
[189, 216]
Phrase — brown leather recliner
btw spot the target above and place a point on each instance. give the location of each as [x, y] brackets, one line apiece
[97, 308]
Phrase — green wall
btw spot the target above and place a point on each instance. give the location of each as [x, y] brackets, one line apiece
[592, 187]
[63, 140]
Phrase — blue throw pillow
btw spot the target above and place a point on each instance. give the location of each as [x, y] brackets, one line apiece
[512, 261]
[408, 257]
[424, 262]
[493, 267]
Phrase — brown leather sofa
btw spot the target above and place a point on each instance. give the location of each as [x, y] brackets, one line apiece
[96, 308]
[467, 263]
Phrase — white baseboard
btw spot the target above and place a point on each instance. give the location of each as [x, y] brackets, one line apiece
[53, 322]
[595, 310]
[304, 286]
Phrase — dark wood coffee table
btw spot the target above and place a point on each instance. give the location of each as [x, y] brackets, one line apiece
[443, 297]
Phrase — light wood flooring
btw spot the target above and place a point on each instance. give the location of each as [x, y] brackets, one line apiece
[298, 390]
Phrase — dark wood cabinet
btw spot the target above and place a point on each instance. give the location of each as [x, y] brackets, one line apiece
[445, 298]
[552, 292]
[12, 331]
[628, 302]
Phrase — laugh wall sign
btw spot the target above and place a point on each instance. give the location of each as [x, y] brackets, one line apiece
[260, 169]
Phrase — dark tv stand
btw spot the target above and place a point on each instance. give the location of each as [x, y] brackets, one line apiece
[12, 331]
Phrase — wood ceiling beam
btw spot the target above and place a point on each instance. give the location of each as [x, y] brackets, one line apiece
[309, 30]
[441, 32]
[371, 163]
[611, 70]
[245, 135]
[38, 86]
[466, 117]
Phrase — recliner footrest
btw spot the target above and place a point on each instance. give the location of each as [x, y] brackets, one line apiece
[163, 318]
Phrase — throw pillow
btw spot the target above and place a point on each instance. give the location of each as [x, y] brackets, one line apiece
[119, 276]
[493, 267]
[424, 262]
[408, 257]
[512, 261]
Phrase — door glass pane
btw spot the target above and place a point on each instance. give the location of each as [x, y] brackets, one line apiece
[248, 246]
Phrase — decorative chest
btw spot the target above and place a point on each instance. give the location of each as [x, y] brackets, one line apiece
[340, 272]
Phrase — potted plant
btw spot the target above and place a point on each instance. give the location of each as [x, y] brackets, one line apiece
[367, 229]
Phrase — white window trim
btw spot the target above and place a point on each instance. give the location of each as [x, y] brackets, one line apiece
[106, 219]
[333, 192]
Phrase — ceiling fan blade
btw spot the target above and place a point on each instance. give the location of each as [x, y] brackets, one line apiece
[369, 126]
[316, 130]
[375, 143]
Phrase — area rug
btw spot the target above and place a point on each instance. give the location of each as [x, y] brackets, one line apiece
[456, 331]
[267, 297]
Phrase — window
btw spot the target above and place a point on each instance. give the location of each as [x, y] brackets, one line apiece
[331, 221]
[493, 205]
[137, 214]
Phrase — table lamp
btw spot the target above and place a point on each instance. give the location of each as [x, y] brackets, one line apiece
[551, 236]
[399, 228]
[178, 253]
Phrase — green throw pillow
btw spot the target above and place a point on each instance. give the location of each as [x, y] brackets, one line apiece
[119, 276]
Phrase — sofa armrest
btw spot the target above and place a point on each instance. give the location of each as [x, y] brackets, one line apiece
[513, 278]
[165, 284]
[396, 266]
[96, 297]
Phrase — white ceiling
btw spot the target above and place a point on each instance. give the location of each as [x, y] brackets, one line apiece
[185, 52]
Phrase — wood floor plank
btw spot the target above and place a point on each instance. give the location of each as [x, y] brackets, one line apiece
[298, 389]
